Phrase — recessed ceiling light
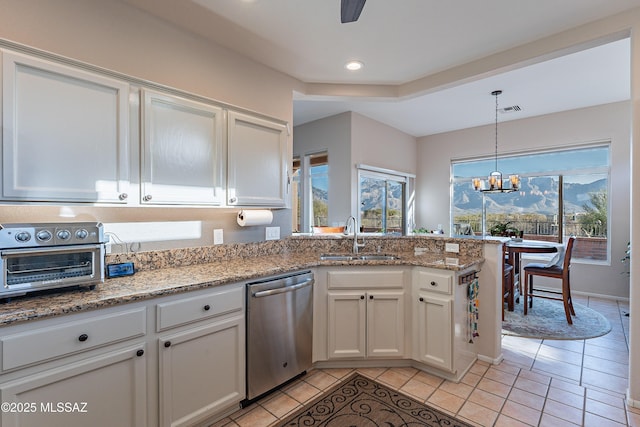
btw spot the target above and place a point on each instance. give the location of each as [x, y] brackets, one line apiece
[353, 65]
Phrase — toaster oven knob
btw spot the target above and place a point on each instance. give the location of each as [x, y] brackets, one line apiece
[63, 234]
[43, 235]
[23, 236]
[81, 234]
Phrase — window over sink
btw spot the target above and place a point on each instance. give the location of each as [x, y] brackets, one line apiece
[383, 200]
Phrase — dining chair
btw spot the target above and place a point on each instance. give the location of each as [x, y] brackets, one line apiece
[558, 270]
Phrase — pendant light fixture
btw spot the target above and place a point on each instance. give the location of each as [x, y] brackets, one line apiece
[494, 182]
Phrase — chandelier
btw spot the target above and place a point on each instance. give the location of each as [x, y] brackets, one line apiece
[494, 182]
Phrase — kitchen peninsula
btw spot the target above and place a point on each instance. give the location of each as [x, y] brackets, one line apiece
[150, 330]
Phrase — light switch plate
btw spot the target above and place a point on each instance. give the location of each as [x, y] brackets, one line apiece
[452, 247]
[272, 233]
[218, 236]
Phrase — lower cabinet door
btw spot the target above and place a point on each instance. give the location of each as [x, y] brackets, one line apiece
[385, 324]
[433, 329]
[108, 390]
[202, 372]
[346, 315]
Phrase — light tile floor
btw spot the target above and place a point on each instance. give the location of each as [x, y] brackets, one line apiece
[539, 383]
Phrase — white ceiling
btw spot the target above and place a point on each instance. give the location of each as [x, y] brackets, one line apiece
[402, 41]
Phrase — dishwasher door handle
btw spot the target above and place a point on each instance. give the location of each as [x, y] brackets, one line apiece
[276, 291]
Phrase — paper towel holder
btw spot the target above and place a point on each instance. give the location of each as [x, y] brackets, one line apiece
[254, 217]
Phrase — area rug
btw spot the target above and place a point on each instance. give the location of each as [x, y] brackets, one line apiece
[362, 402]
[547, 320]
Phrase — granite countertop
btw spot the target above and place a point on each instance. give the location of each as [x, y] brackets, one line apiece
[168, 281]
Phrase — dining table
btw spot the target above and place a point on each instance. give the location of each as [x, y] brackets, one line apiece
[513, 251]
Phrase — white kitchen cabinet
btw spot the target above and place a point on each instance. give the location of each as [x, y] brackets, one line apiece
[365, 324]
[201, 363]
[182, 151]
[76, 370]
[385, 324]
[440, 321]
[44, 343]
[65, 133]
[107, 390]
[346, 317]
[416, 316]
[433, 330]
[364, 311]
[257, 161]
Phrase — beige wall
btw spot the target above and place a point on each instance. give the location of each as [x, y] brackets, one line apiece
[118, 37]
[603, 123]
[353, 139]
[331, 134]
[379, 145]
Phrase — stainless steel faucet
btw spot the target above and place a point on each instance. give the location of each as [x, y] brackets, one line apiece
[356, 245]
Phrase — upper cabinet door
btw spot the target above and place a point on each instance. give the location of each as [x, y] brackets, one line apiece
[182, 153]
[65, 133]
[257, 153]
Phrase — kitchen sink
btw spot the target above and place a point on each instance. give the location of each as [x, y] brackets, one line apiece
[333, 257]
[357, 257]
[377, 257]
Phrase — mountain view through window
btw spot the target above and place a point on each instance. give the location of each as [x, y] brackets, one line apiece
[562, 193]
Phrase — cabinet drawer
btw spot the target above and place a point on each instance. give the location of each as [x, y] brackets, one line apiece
[369, 278]
[60, 340]
[434, 282]
[193, 309]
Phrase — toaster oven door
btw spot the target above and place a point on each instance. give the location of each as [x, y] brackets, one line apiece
[29, 269]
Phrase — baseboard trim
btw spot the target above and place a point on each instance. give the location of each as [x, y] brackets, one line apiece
[632, 402]
[601, 296]
[491, 360]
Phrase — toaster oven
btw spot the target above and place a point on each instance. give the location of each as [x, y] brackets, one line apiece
[37, 257]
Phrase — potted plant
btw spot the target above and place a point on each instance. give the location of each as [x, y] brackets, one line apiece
[504, 229]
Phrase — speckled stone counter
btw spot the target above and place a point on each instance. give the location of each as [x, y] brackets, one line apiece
[162, 273]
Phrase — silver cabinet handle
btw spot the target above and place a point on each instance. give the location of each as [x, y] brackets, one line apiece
[123, 196]
[266, 293]
[147, 198]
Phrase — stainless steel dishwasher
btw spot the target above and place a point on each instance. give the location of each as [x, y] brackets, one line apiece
[279, 330]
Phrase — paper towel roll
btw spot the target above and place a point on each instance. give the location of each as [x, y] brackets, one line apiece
[254, 217]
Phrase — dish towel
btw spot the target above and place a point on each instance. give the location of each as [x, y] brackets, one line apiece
[558, 257]
[474, 288]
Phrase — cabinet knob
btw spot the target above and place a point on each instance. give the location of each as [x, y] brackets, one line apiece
[147, 198]
[83, 337]
[123, 196]
[361, 296]
[434, 284]
[207, 307]
[167, 344]
[370, 296]
[139, 353]
[233, 200]
[421, 299]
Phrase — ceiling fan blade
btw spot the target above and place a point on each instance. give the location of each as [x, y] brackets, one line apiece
[350, 10]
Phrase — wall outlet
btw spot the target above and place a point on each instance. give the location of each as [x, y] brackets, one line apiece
[272, 233]
[218, 238]
[452, 247]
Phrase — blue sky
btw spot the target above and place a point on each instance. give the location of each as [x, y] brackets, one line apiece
[320, 177]
[586, 158]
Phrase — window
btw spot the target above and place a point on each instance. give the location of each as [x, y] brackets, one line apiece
[382, 200]
[310, 192]
[562, 193]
